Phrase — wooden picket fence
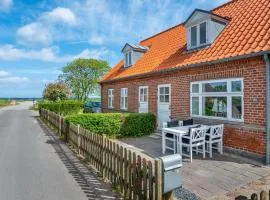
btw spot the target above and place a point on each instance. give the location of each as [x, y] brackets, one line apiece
[134, 174]
[263, 196]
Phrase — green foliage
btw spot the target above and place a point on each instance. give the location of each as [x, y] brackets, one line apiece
[82, 76]
[66, 107]
[56, 91]
[116, 124]
[99, 123]
[138, 124]
[4, 103]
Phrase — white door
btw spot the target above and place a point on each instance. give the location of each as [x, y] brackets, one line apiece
[143, 99]
[164, 104]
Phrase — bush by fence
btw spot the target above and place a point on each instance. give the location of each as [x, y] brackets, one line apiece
[65, 107]
[116, 124]
[136, 175]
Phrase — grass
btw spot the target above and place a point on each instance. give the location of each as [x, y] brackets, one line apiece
[4, 103]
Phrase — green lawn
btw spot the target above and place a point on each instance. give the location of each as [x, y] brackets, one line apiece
[4, 103]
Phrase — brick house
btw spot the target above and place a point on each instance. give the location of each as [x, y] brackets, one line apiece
[214, 67]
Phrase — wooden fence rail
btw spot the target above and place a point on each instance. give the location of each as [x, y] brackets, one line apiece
[134, 174]
[263, 196]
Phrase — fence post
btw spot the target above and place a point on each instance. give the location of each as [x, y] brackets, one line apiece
[103, 167]
[59, 125]
[79, 139]
[254, 196]
[263, 195]
[159, 179]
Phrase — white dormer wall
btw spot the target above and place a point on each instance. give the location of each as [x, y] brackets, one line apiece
[135, 55]
[213, 28]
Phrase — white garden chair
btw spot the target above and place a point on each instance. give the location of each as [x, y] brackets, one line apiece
[215, 136]
[195, 138]
[171, 138]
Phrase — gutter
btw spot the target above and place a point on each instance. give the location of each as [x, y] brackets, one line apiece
[267, 62]
[178, 68]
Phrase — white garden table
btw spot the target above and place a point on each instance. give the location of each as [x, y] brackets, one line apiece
[178, 131]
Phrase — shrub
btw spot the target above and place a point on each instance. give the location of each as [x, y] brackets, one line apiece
[66, 107]
[99, 123]
[116, 124]
[138, 124]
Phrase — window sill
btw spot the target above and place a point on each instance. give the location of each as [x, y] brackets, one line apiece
[228, 123]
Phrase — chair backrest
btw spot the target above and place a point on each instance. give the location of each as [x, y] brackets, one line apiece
[188, 122]
[174, 123]
[197, 134]
[216, 131]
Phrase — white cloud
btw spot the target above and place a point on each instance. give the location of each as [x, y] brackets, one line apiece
[3, 74]
[50, 54]
[60, 15]
[46, 28]
[7, 78]
[5, 5]
[46, 81]
[34, 33]
[96, 39]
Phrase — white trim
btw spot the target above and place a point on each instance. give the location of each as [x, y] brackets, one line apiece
[124, 95]
[198, 42]
[127, 55]
[229, 94]
[143, 87]
[110, 98]
[165, 85]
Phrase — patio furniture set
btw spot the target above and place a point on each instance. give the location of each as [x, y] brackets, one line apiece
[177, 135]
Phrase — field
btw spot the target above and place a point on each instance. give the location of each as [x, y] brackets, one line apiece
[4, 103]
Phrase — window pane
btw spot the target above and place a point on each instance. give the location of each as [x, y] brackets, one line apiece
[167, 90]
[166, 98]
[129, 56]
[194, 36]
[161, 90]
[237, 107]
[161, 98]
[195, 88]
[215, 87]
[195, 105]
[215, 106]
[203, 33]
[236, 86]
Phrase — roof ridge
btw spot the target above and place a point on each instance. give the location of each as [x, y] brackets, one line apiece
[225, 4]
[182, 23]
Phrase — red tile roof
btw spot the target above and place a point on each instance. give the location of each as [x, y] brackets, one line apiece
[247, 32]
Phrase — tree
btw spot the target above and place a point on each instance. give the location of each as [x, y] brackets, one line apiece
[56, 91]
[82, 76]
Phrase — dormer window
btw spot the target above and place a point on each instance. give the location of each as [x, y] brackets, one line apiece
[198, 36]
[128, 57]
[203, 27]
[132, 53]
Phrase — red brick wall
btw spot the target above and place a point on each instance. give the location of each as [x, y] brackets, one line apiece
[253, 72]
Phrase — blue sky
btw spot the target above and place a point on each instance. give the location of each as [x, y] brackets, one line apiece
[37, 38]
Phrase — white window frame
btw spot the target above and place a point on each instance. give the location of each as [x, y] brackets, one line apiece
[229, 94]
[124, 99]
[143, 87]
[110, 98]
[164, 85]
[198, 34]
[128, 58]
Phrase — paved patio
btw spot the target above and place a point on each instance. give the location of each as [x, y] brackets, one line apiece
[207, 178]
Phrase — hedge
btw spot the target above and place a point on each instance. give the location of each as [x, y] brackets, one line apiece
[116, 124]
[65, 107]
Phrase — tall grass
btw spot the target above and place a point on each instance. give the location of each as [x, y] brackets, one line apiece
[4, 103]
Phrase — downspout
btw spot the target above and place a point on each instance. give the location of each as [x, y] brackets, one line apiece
[267, 62]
